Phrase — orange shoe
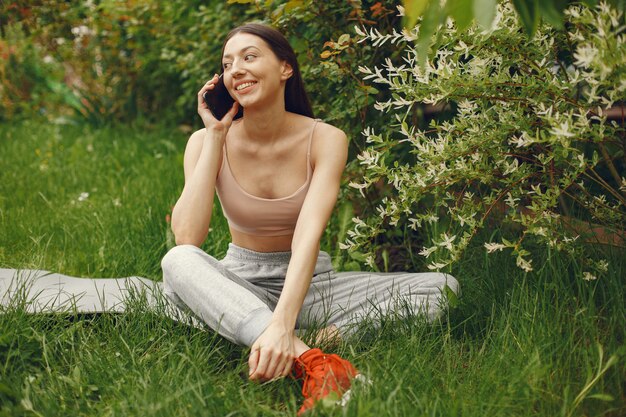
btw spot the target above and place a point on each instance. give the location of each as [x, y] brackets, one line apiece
[325, 377]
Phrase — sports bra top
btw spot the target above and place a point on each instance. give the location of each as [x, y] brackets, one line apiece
[260, 216]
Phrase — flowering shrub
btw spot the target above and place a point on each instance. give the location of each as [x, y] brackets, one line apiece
[529, 146]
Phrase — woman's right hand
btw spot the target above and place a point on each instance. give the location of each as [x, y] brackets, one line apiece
[210, 122]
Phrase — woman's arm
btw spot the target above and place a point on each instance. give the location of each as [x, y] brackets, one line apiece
[191, 215]
[272, 353]
[329, 155]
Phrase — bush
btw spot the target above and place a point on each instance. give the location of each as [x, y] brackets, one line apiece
[530, 145]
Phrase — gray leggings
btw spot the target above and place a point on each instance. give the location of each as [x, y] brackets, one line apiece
[237, 295]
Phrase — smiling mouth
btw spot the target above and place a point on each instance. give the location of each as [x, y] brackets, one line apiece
[245, 85]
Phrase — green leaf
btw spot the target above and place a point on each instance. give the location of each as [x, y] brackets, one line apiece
[413, 9]
[527, 11]
[351, 266]
[552, 12]
[451, 297]
[346, 212]
[461, 11]
[370, 90]
[430, 20]
[484, 12]
[602, 397]
[590, 3]
[385, 255]
[359, 256]
[293, 4]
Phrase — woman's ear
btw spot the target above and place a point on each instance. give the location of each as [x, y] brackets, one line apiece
[286, 71]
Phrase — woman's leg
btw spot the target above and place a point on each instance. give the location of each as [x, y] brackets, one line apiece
[232, 306]
[40, 291]
[347, 298]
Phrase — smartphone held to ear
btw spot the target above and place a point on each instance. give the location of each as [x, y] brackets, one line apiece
[218, 100]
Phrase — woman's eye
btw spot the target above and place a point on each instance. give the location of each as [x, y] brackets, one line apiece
[249, 57]
[225, 65]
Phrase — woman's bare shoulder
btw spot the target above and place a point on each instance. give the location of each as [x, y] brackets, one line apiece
[196, 138]
[326, 129]
[329, 145]
[328, 136]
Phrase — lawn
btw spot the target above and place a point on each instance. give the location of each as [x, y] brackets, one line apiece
[93, 202]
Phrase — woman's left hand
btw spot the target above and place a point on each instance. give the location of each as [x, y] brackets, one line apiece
[272, 353]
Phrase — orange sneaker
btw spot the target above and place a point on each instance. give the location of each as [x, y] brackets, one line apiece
[325, 377]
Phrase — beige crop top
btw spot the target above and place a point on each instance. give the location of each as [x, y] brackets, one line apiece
[260, 216]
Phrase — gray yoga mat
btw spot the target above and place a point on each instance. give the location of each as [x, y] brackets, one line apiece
[39, 291]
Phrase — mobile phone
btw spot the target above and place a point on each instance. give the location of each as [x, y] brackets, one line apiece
[219, 100]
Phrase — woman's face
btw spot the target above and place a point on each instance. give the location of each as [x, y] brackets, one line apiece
[252, 72]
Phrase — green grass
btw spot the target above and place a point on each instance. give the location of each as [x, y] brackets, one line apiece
[546, 343]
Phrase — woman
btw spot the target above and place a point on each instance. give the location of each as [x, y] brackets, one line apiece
[276, 171]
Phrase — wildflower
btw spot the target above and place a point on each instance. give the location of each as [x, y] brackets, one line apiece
[562, 130]
[83, 196]
[436, 265]
[80, 31]
[426, 252]
[524, 264]
[521, 141]
[511, 201]
[603, 265]
[588, 276]
[585, 55]
[358, 186]
[492, 247]
[447, 241]
[117, 202]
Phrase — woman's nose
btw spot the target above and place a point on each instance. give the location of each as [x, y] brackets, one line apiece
[236, 69]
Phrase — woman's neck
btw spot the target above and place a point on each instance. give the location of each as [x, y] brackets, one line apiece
[265, 124]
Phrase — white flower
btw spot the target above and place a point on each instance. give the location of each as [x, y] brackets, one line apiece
[431, 218]
[83, 196]
[509, 168]
[447, 241]
[588, 276]
[562, 130]
[521, 141]
[524, 264]
[492, 247]
[436, 265]
[359, 31]
[585, 55]
[511, 201]
[603, 265]
[426, 252]
[80, 31]
[462, 47]
[117, 202]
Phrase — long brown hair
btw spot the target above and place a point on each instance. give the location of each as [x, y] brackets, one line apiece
[296, 99]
